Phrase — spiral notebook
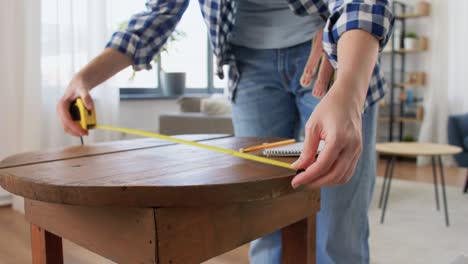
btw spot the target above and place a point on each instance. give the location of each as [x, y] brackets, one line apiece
[291, 150]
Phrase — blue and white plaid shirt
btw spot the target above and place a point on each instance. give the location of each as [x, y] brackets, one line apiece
[147, 32]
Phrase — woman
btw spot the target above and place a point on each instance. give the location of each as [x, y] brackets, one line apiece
[267, 46]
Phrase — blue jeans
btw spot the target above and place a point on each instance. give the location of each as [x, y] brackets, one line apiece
[269, 101]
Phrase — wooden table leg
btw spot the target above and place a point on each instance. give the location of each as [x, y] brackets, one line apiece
[298, 242]
[46, 247]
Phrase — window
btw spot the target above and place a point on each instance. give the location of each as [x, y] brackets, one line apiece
[73, 32]
[120, 11]
[190, 54]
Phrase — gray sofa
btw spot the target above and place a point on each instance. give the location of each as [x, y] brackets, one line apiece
[458, 135]
[191, 119]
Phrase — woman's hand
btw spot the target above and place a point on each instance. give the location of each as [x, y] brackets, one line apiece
[337, 118]
[76, 89]
[337, 121]
[101, 68]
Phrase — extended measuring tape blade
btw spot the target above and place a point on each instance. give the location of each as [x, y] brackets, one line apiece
[87, 120]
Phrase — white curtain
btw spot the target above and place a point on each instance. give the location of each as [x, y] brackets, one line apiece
[448, 76]
[20, 119]
[73, 32]
[458, 57]
[44, 43]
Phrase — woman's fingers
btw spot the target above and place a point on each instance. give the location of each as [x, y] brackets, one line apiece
[87, 100]
[317, 67]
[338, 173]
[63, 109]
[313, 61]
[350, 171]
[321, 167]
[324, 77]
[311, 144]
[69, 126]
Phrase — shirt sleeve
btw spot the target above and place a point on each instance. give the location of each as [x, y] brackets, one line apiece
[372, 16]
[146, 32]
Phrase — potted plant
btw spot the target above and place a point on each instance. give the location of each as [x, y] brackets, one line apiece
[172, 83]
[408, 138]
[411, 41]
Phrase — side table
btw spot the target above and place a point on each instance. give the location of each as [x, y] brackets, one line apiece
[406, 149]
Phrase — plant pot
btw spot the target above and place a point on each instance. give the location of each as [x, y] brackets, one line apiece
[423, 43]
[417, 78]
[423, 8]
[411, 43]
[397, 42]
[397, 39]
[172, 83]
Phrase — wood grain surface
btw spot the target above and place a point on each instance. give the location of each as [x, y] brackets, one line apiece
[147, 176]
[417, 149]
[193, 235]
[299, 242]
[45, 246]
[124, 235]
[86, 150]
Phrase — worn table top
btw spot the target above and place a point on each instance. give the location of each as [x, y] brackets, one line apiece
[416, 149]
[145, 173]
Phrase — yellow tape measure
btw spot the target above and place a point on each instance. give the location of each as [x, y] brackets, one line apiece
[87, 120]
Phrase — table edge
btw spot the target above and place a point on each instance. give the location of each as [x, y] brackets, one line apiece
[146, 196]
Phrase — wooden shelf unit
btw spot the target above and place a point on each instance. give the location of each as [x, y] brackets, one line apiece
[400, 119]
[404, 85]
[404, 51]
[395, 116]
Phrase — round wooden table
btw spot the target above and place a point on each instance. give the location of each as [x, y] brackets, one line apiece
[411, 149]
[152, 201]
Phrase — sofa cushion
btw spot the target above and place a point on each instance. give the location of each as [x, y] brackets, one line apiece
[216, 105]
[462, 122]
[465, 143]
[190, 104]
[457, 130]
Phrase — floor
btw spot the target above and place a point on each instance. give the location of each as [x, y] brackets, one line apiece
[414, 231]
[454, 176]
[14, 234]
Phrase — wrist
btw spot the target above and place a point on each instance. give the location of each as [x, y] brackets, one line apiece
[82, 80]
[350, 93]
[352, 79]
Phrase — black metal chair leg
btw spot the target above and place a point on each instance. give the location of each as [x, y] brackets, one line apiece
[442, 180]
[384, 183]
[465, 190]
[434, 174]
[387, 191]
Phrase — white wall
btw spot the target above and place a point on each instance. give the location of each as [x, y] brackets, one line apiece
[144, 114]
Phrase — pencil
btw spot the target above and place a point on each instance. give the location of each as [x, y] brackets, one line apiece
[268, 145]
